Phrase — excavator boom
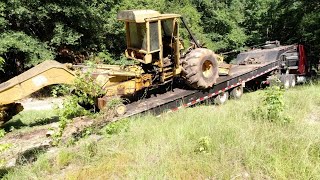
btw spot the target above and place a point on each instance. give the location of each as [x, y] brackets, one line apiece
[114, 80]
[44, 74]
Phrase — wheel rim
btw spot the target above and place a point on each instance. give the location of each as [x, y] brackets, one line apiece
[238, 92]
[207, 67]
[121, 109]
[286, 84]
[293, 84]
[223, 97]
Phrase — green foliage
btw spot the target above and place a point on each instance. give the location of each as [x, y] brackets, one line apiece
[33, 31]
[24, 47]
[56, 136]
[86, 89]
[116, 127]
[107, 58]
[2, 62]
[60, 90]
[2, 133]
[3, 148]
[272, 107]
[203, 145]
[71, 108]
[274, 102]
[91, 149]
[65, 35]
[87, 132]
[64, 158]
[84, 95]
[164, 148]
[222, 23]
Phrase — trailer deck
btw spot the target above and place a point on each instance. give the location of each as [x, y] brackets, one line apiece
[179, 98]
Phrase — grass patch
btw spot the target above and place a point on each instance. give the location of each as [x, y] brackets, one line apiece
[32, 118]
[218, 142]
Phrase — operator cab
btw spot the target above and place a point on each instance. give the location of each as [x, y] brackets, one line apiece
[152, 38]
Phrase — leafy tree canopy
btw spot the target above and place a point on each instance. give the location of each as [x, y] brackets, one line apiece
[32, 31]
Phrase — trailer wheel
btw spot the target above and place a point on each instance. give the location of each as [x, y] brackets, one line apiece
[285, 80]
[200, 68]
[293, 81]
[286, 84]
[236, 92]
[221, 98]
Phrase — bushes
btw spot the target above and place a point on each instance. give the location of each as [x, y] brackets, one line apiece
[272, 106]
[33, 31]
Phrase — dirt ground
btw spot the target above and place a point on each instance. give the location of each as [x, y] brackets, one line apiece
[25, 143]
[41, 104]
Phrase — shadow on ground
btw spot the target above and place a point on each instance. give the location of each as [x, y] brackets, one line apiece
[18, 123]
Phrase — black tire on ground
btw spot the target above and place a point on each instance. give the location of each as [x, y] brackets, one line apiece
[236, 92]
[221, 98]
[200, 68]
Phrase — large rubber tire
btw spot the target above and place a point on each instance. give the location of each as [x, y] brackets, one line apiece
[236, 92]
[200, 68]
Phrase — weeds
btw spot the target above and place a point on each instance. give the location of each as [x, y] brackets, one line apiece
[203, 145]
[272, 107]
[116, 127]
[200, 143]
[64, 158]
[57, 135]
[2, 133]
[91, 149]
[60, 90]
[3, 148]
[85, 92]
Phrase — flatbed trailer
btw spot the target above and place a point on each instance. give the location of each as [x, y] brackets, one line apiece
[178, 98]
[288, 63]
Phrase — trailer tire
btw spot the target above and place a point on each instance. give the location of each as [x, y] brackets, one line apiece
[293, 81]
[236, 92]
[200, 68]
[285, 80]
[221, 98]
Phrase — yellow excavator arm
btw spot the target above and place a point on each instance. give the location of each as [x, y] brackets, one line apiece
[44, 74]
[114, 80]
